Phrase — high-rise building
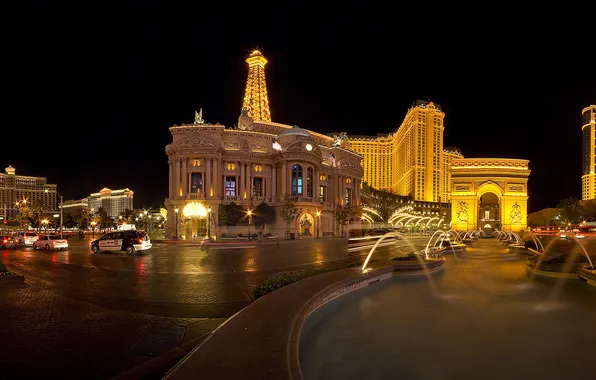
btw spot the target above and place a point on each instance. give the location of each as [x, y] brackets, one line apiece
[449, 154]
[588, 152]
[113, 202]
[256, 102]
[18, 188]
[409, 161]
[378, 159]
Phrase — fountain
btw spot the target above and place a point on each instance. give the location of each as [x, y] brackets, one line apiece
[426, 250]
[418, 257]
[565, 269]
[481, 301]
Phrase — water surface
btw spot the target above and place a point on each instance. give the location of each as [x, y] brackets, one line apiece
[488, 320]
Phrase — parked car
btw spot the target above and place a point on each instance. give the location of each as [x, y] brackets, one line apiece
[50, 242]
[26, 238]
[7, 242]
[127, 241]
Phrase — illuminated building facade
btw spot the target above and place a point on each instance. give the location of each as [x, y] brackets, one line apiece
[449, 154]
[113, 202]
[410, 161]
[588, 152]
[16, 188]
[258, 161]
[75, 207]
[489, 194]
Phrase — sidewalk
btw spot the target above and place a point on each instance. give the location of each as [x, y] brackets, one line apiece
[44, 334]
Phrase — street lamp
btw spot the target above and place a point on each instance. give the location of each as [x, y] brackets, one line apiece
[45, 223]
[61, 201]
[93, 223]
[249, 212]
[318, 222]
[209, 223]
[176, 212]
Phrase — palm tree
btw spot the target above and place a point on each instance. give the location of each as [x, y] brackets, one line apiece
[84, 219]
[24, 216]
[39, 208]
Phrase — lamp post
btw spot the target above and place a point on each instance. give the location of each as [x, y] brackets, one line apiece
[61, 201]
[93, 223]
[45, 223]
[176, 213]
[318, 222]
[249, 212]
[209, 223]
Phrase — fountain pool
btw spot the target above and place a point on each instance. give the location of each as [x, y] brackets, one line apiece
[486, 320]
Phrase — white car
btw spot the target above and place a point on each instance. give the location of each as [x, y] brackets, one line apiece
[27, 238]
[50, 242]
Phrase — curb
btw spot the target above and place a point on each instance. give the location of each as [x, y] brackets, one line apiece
[158, 366]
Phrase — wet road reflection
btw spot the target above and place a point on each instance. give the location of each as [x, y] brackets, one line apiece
[176, 280]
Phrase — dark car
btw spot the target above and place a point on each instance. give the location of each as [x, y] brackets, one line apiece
[128, 241]
[7, 242]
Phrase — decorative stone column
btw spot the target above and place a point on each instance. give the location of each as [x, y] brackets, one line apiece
[208, 179]
[177, 178]
[242, 180]
[184, 178]
[315, 190]
[170, 179]
[284, 175]
[273, 191]
[249, 184]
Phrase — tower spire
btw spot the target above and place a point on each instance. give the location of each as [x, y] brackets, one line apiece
[255, 101]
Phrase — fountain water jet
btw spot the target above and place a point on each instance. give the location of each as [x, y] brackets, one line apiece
[420, 259]
[567, 266]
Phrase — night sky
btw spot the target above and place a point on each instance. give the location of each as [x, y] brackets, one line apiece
[90, 92]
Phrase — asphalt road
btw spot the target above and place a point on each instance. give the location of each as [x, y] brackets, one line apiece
[173, 279]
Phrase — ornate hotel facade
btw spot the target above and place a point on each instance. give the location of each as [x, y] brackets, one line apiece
[588, 152]
[485, 193]
[258, 161]
[263, 161]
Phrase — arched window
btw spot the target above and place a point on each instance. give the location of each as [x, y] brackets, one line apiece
[309, 184]
[296, 180]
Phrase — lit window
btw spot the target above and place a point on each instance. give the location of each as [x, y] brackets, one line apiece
[296, 180]
[258, 168]
[231, 186]
[196, 162]
[323, 177]
[231, 166]
[348, 180]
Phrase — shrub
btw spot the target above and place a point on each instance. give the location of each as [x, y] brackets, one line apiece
[284, 279]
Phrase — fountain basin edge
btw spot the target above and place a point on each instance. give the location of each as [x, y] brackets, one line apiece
[588, 275]
[268, 330]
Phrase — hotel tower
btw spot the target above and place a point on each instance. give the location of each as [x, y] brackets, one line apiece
[588, 152]
[410, 161]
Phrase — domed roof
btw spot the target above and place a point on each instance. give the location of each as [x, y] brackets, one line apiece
[295, 131]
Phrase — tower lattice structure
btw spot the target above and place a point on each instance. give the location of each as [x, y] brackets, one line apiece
[256, 101]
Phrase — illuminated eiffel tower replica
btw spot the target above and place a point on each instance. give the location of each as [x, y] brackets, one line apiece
[256, 103]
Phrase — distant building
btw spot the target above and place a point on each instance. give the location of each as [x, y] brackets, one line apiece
[544, 217]
[18, 188]
[588, 152]
[113, 202]
[75, 207]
